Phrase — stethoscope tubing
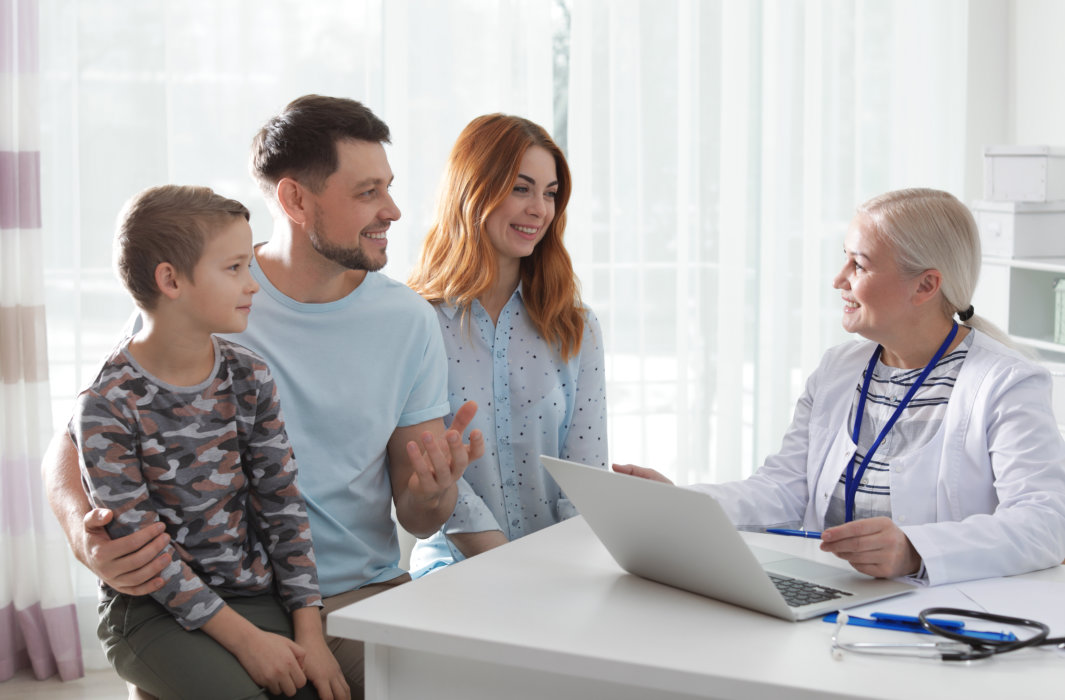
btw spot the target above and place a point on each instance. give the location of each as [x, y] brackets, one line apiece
[958, 646]
[983, 648]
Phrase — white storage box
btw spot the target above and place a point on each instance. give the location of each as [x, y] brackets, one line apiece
[1024, 173]
[1021, 229]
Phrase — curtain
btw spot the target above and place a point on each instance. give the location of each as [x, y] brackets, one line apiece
[38, 622]
[136, 94]
[719, 151]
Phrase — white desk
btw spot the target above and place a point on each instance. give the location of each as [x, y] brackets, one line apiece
[552, 616]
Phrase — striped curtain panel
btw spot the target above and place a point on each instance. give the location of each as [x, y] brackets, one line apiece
[38, 626]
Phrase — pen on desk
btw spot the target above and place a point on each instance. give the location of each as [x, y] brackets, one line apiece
[955, 625]
[907, 623]
[914, 621]
[811, 534]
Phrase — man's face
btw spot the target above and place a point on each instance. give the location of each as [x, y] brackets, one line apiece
[353, 211]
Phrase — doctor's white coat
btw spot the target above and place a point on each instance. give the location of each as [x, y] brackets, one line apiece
[986, 497]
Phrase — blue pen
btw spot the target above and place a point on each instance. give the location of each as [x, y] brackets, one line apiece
[906, 623]
[812, 534]
[953, 625]
[911, 620]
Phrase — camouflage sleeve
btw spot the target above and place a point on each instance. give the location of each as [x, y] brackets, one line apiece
[113, 477]
[276, 504]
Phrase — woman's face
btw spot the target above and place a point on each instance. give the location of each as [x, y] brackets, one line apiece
[521, 221]
[877, 298]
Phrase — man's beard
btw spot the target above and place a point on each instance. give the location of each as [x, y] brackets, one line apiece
[351, 258]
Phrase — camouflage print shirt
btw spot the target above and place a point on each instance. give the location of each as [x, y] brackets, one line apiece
[211, 461]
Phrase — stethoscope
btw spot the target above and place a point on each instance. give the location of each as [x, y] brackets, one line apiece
[958, 646]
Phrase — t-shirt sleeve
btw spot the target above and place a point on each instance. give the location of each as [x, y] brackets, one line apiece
[428, 396]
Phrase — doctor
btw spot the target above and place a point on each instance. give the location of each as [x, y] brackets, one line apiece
[929, 449]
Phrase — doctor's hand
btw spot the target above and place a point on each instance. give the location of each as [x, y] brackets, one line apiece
[874, 546]
[642, 472]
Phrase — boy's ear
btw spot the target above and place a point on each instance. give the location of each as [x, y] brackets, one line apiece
[166, 279]
[291, 197]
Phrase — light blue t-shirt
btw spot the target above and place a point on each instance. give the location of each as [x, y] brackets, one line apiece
[530, 403]
[348, 373]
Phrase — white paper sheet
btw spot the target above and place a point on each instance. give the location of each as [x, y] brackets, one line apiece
[1042, 601]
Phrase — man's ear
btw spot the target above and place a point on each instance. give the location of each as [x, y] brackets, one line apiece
[928, 287]
[291, 196]
[168, 281]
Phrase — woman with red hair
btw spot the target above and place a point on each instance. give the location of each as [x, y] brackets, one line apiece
[519, 341]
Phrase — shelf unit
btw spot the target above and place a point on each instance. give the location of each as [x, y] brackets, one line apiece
[1023, 213]
[1018, 295]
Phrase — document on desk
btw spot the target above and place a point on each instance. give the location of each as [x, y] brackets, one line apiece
[1035, 600]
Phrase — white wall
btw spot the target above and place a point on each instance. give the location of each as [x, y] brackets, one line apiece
[1015, 92]
[1038, 72]
[989, 87]
[1037, 99]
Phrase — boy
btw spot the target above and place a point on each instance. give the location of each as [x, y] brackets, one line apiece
[185, 428]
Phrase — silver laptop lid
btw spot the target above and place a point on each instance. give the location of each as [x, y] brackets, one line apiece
[683, 538]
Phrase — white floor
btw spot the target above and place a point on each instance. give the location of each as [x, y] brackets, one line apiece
[96, 685]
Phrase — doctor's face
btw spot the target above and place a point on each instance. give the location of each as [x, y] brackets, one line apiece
[876, 296]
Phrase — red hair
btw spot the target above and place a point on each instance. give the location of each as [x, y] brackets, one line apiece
[458, 263]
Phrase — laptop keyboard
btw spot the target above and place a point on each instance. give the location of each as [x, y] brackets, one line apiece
[797, 592]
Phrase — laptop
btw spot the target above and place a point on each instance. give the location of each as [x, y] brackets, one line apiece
[683, 538]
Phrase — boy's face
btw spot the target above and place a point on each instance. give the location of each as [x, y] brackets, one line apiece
[219, 294]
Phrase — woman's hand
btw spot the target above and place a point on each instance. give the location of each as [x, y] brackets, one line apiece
[874, 546]
[642, 472]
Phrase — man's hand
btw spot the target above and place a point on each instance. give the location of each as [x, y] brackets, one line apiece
[437, 467]
[426, 461]
[642, 472]
[874, 546]
[130, 564]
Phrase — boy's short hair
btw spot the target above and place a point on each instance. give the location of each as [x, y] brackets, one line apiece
[301, 141]
[170, 223]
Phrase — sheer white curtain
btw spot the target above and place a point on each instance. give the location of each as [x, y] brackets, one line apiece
[719, 150]
[138, 94]
[38, 624]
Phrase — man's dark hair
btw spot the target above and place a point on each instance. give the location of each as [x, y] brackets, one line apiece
[300, 142]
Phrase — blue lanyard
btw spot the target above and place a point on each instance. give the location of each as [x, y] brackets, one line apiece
[853, 480]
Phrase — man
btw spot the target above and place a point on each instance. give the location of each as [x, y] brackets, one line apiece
[359, 363]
